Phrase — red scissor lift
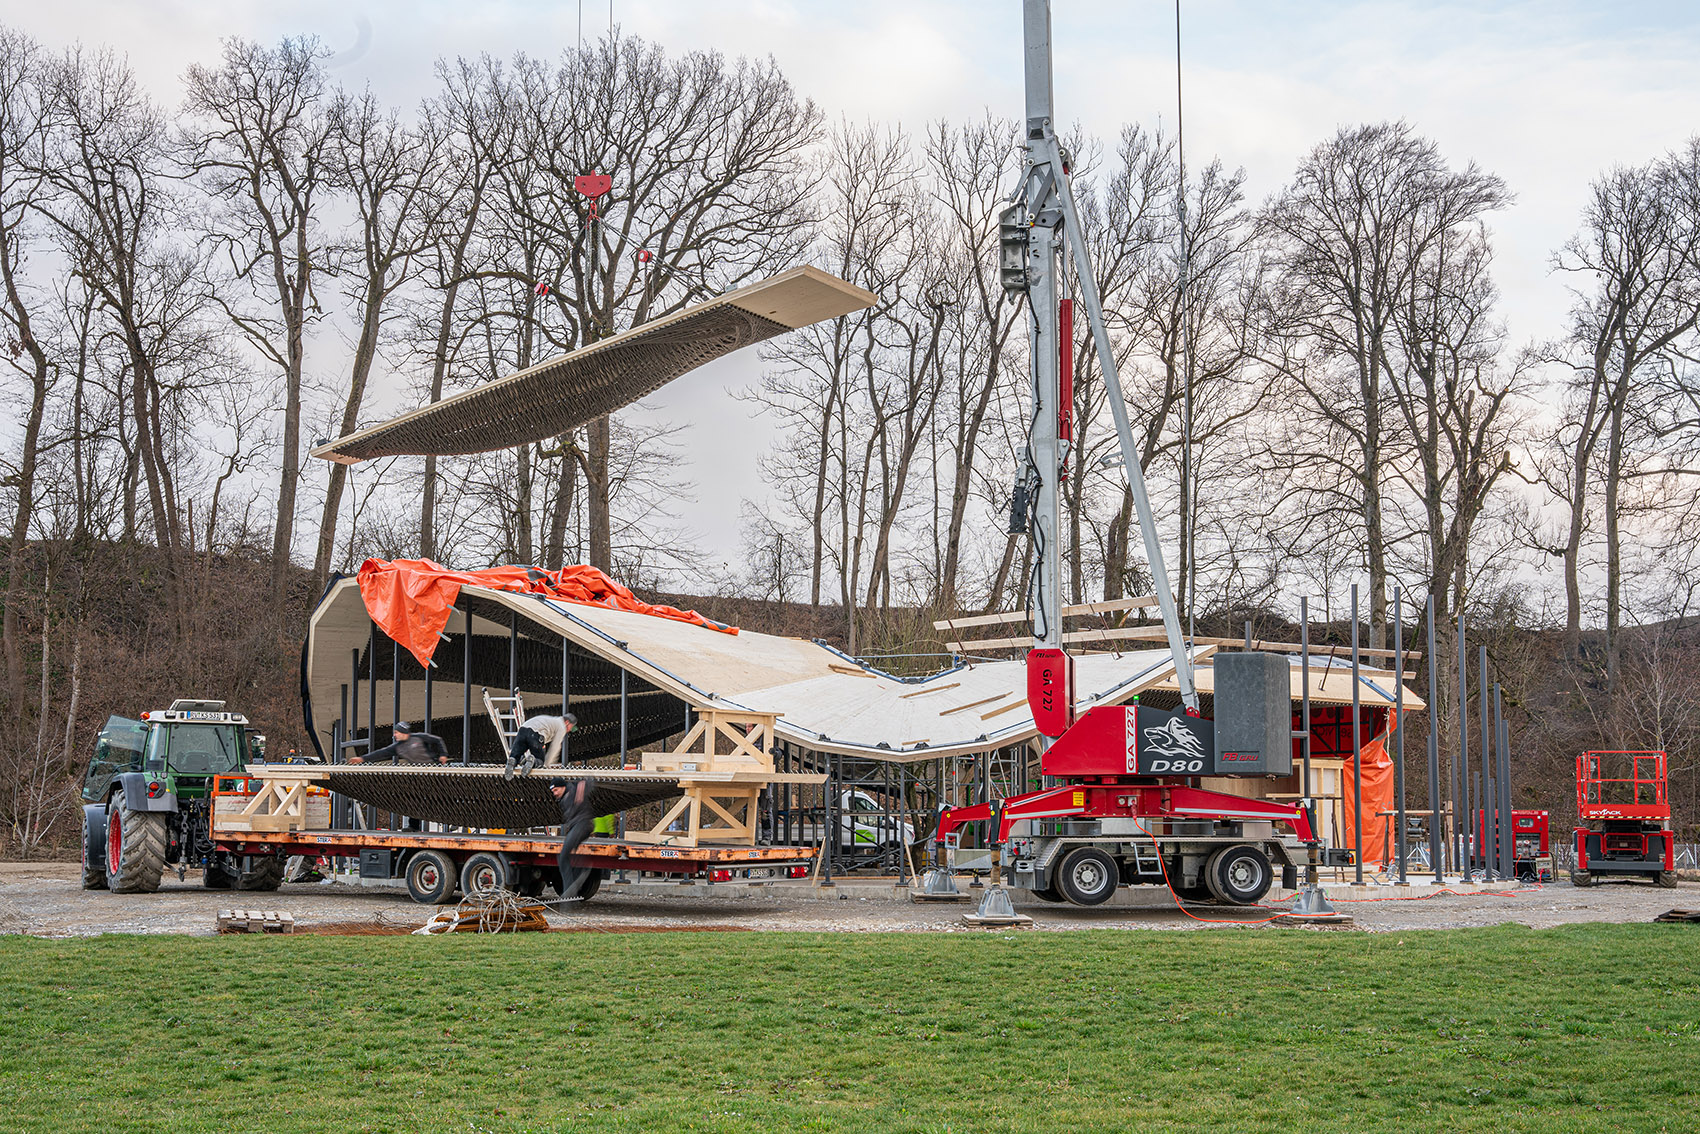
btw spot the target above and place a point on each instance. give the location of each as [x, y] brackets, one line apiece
[1623, 802]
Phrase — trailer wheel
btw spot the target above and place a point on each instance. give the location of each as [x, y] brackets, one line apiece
[486, 870]
[135, 847]
[528, 881]
[1087, 877]
[265, 873]
[1580, 877]
[592, 884]
[1238, 875]
[430, 878]
[94, 847]
[217, 877]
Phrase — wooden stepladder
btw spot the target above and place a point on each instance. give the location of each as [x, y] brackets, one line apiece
[507, 714]
[720, 787]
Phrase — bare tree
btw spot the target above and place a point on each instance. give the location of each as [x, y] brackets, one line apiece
[260, 151]
[1636, 256]
[390, 172]
[23, 142]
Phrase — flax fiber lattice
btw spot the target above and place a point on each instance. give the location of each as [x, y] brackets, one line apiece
[561, 394]
[483, 798]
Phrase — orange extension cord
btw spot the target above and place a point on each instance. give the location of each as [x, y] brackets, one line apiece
[1181, 905]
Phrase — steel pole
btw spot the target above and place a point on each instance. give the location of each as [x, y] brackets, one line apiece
[1309, 789]
[1436, 848]
[1399, 729]
[1468, 851]
[1357, 750]
[1502, 802]
[1491, 860]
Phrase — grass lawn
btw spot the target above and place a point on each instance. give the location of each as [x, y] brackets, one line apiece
[1582, 1028]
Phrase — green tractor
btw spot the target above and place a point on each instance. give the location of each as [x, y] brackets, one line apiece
[148, 800]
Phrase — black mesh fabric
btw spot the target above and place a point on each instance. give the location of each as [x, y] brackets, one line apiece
[484, 798]
[563, 393]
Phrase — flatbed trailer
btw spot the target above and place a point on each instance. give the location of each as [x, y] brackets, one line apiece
[436, 863]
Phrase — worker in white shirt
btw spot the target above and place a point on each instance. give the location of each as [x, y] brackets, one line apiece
[539, 736]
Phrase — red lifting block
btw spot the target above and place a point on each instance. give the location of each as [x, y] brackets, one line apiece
[1050, 690]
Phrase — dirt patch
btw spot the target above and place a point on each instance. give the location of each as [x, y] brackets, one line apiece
[46, 899]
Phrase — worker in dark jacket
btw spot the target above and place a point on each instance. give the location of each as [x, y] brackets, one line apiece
[408, 747]
[539, 736]
[578, 818]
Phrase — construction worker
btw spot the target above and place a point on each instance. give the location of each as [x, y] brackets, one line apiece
[578, 819]
[538, 736]
[408, 747]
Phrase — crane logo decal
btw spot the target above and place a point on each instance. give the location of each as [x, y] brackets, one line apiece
[1171, 748]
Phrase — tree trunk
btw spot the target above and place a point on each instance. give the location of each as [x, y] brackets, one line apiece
[364, 352]
[596, 497]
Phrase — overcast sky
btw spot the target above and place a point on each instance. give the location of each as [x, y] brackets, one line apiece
[1545, 94]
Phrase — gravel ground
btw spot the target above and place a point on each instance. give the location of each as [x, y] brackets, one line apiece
[45, 900]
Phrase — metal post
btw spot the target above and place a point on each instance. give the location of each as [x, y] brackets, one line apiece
[1304, 725]
[1436, 850]
[395, 682]
[1399, 729]
[1507, 827]
[426, 672]
[353, 707]
[466, 688]
[1357, 751]
[1464, 801]
[1489, 859]
[623, 734]
[829, 825]
[372, 689]
[513, 653]
[1247, 628]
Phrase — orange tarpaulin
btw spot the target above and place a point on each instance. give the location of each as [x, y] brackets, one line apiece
[410, 599]
[1377, 768]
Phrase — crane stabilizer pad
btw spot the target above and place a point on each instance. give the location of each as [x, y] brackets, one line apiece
[564, 393]
[482, 798]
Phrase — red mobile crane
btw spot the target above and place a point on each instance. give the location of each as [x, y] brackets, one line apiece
[1625, 818]
[1129, 809]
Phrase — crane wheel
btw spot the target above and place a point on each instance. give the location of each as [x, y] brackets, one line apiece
[1048, 894]
[1238, 876]
[1580, 877]
[1667, 879]
[1087, 877]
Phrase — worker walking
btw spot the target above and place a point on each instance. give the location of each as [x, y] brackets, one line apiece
[578, 820]
[538, 736]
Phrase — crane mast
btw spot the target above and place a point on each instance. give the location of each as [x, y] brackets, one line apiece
[1039, 236]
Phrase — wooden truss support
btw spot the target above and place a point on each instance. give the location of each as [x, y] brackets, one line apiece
[285, 803]
[720, 787]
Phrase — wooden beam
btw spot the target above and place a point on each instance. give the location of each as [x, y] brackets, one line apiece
[924, 692]
[1140, 633]
[1068, 612]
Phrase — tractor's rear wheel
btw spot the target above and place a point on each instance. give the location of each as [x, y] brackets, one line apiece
[1580, 877]
[135, 847]
[265, 872]
[94, 847]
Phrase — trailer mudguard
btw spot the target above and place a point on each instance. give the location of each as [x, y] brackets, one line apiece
[135, 785]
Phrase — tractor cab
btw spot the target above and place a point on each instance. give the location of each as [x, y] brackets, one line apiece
[148, 802]
[178, 750]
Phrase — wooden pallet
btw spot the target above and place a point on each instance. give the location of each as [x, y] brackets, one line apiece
[255, 921]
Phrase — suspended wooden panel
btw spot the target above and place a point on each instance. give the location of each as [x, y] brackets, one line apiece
[566, 392]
